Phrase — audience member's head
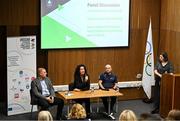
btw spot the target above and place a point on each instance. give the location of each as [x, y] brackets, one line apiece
[173, 115]
[77, 112]
[149, 117]
[45, 116]
[127, 115]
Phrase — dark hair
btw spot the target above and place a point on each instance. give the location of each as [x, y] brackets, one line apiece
[77, 72]
[165, 56]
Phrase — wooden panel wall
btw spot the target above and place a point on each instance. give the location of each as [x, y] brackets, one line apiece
[126, 62]
[170, 31]
[17, 15]
[20, 12]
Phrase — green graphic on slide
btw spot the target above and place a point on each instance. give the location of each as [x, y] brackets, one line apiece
[56, 35]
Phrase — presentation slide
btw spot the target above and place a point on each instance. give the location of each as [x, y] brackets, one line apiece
[84, 23]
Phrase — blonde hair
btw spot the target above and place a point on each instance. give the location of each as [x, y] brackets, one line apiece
[173, 115]
[77, 112]
[45, 116]
[127, 115]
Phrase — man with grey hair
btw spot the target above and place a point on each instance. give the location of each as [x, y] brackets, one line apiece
[43, 93]
[108, 80]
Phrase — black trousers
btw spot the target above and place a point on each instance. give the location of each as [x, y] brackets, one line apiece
[87, 104]
[157, 94]
[105, 102]
[57, 101]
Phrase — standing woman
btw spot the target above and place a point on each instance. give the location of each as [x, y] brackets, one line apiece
[81, 83]
[162, 66]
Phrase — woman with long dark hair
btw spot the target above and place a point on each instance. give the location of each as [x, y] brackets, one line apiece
[81, 83]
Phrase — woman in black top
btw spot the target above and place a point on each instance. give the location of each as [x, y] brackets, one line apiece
[81, 83]
[162, 66]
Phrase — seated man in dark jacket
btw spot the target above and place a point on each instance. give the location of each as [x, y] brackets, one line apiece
[43, 93]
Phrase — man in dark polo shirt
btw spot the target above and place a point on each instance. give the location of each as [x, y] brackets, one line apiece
[108, 80]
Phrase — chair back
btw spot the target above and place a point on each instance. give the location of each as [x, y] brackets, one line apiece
[33, 100]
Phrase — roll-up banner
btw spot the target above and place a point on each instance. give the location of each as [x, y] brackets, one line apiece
[21, 70]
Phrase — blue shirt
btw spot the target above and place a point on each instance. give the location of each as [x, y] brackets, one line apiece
[45, 91]
[108, 80]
